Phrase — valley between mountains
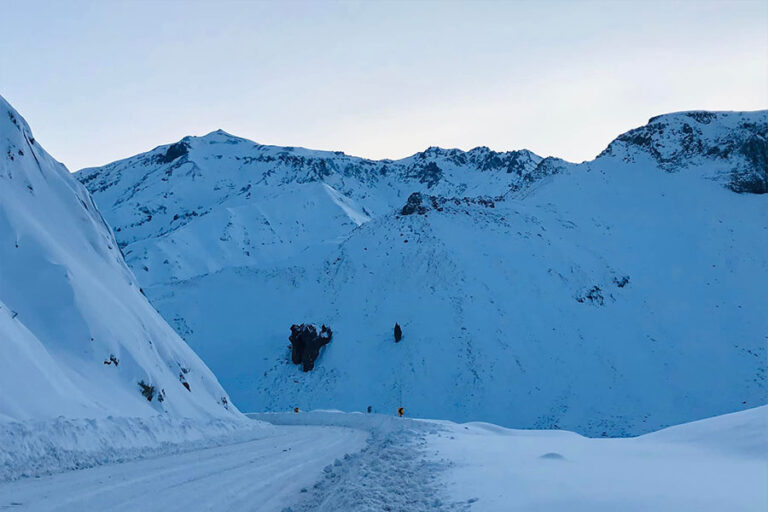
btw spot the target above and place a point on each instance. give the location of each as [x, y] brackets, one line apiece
[612, 297]
[582, 336]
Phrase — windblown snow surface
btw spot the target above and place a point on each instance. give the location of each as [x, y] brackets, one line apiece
[712, 465]
[611, 298]
[77, 337]
[337, 462]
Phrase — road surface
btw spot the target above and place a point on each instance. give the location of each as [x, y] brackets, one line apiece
[266, 474]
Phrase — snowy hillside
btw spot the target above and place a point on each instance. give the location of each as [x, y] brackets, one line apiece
[712, 465]
[79, 340]
[613, 297]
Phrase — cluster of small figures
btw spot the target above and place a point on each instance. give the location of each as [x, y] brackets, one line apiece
[400, 410]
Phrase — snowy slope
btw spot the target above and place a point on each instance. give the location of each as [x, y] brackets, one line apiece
[77, 334]
[711, 465]
[613, 297]
[208, 203]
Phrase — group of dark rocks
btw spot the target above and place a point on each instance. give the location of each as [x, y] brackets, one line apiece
[420, 204]
[306, 343]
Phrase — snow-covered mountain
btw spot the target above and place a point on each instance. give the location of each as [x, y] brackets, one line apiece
[612, 297]
[77, 337]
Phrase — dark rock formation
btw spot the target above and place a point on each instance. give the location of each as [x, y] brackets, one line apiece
[306, 344]
[398, 333]
[593, 295]
[753, 179]
[675, 141]
[414, 205]
[621, 283]
[146, 390]
[429, 174]
[174, 151]
[420, 204]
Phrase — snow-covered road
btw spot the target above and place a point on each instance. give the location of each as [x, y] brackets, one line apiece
[327, 461]
[264, 474]
[394, 471]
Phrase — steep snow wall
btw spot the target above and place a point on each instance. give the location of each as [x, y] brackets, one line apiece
[77, 335]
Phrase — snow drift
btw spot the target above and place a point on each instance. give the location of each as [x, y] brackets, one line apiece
[709, 465]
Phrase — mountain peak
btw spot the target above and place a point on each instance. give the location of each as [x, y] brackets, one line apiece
[732, 147]
[216, 134]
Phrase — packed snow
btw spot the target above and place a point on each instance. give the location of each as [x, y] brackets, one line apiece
[265, 473]
[612, 298]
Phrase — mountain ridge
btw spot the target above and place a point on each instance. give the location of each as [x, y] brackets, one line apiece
[522, 279]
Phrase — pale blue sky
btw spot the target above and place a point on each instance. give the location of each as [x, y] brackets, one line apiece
[99, 81]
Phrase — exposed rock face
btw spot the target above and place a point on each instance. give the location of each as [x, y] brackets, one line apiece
[420, 204]
[753, 179]
[428, 173]
[736, 142]
[174, 151]
[414, 205]
[306, 344]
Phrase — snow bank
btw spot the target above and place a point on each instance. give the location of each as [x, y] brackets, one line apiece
[380, 423]
[708, 466]
[40, 447]
[742, 433]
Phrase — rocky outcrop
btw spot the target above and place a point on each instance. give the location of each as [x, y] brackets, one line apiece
[735, 144]
[414, 205]
[306, 343]
[174, 151]
[420, 204]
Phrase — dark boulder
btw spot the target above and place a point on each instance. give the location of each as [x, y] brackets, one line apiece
[306, 343]
[414, 205]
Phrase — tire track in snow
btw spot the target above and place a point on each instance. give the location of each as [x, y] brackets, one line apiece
[391, 473]
[260, 475]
